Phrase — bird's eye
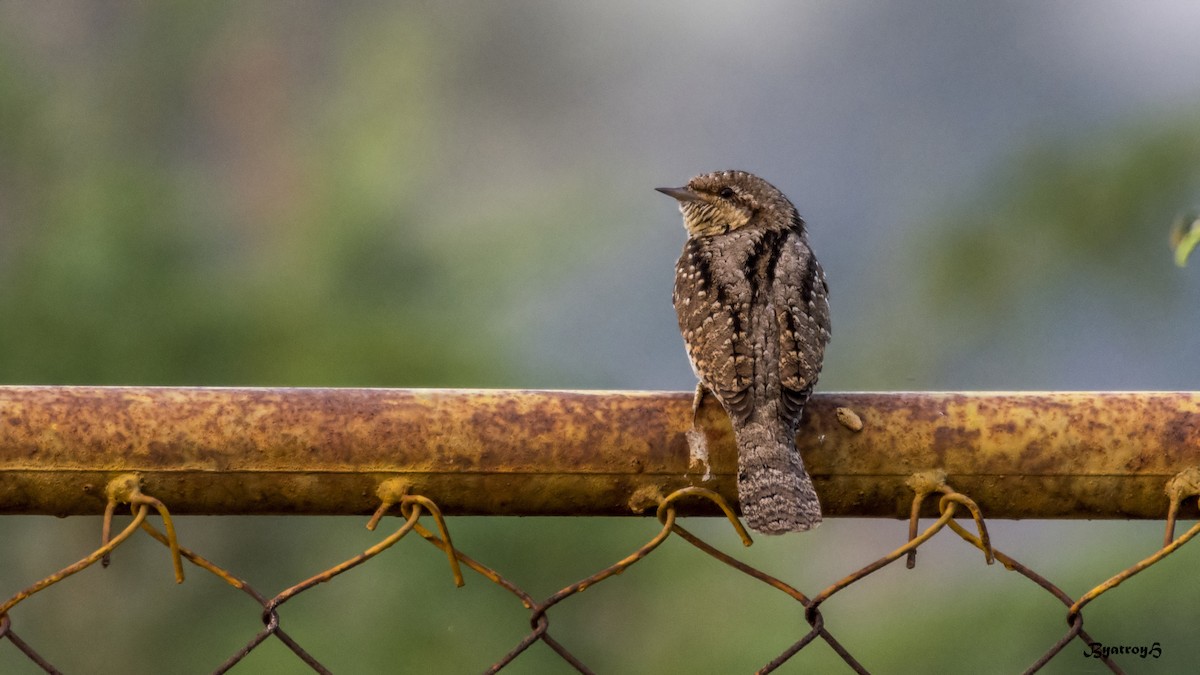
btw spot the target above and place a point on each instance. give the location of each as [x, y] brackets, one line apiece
[726, 193]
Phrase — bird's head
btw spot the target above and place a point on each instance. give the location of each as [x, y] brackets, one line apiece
[724, 201]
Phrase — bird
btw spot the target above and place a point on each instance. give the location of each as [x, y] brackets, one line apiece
[753, 309]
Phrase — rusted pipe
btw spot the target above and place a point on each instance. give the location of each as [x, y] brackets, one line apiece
[324, 451]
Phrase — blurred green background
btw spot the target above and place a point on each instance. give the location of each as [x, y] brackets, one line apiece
[459, 194]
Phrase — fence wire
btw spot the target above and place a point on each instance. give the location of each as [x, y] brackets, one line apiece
[395, 494]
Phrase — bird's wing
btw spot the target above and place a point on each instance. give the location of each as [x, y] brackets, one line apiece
[712, 302]
[800, 297]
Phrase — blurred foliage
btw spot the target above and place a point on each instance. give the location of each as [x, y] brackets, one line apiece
[1086, 208]
[206, 202]
[1069, 224]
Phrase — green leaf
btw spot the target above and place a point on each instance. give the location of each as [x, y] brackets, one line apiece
[1185, 234]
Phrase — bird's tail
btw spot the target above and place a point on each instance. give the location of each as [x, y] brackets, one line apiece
[775, 491]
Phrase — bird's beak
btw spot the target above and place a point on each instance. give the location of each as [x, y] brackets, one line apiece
[681, 193]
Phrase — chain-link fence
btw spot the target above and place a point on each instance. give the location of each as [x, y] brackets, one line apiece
[956, 511]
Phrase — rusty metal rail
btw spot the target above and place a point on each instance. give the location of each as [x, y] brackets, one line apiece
[324, 451]
[67, 450]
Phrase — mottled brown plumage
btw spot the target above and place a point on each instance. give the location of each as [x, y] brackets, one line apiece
[752, 306]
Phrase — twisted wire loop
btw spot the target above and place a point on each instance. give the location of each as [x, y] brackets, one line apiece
[127, 489]
[391, 492]
[396, 492]
[1182, 486]
[925, 483]
[119, 489]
